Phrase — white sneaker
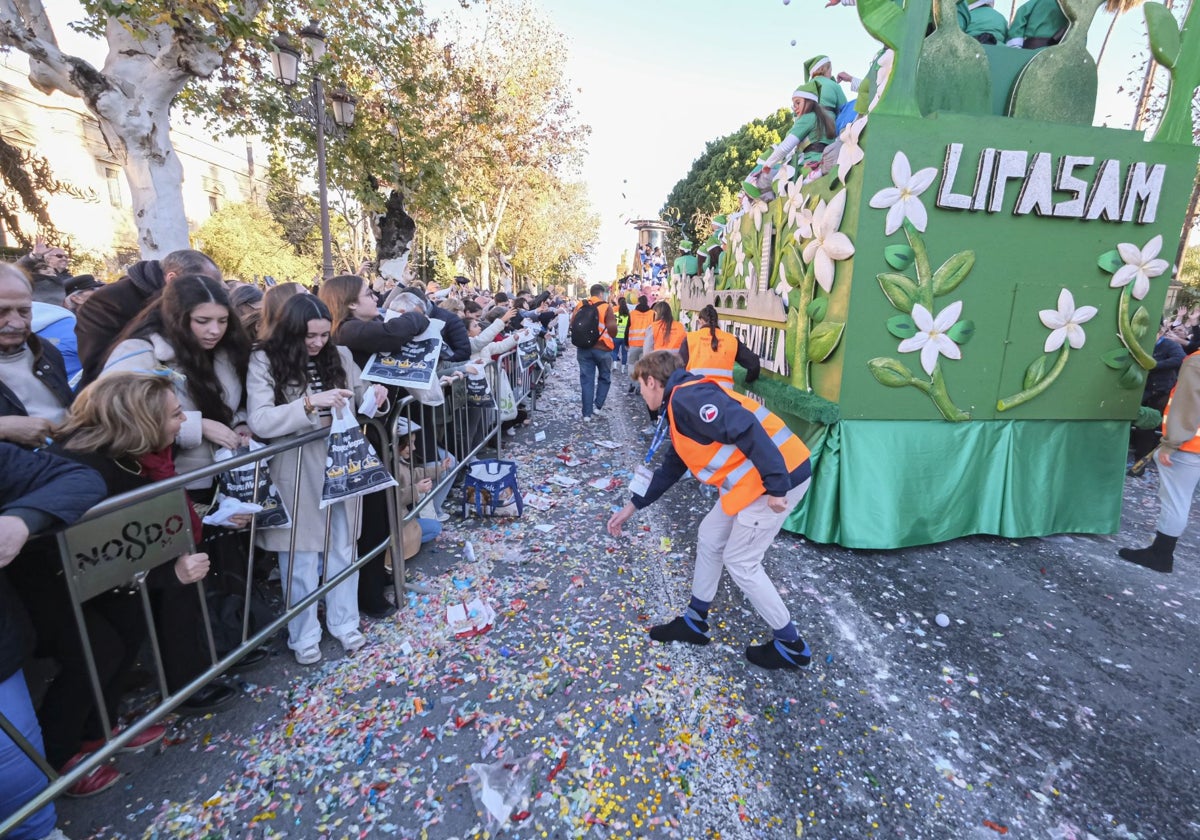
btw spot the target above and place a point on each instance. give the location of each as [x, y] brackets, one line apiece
[587, 418]
[597, 412]
[442, 516]
[352, 641]
[649, 430]
[309, 655]
[511, 433]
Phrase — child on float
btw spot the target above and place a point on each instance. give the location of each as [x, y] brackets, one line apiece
[811, 132]
[297, 379]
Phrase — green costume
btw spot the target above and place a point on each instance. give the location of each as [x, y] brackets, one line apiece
[1037, 19]
[833, 98]
[985, 20]
[686, 265]
[805, 131]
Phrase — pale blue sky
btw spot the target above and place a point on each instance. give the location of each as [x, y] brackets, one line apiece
[660, 78]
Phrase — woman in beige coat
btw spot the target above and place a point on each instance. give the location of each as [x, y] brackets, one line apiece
[296, 381]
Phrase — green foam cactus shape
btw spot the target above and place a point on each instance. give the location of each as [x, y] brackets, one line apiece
[953, 74]
[898, 29]
[1060, 83]
[1179, 53]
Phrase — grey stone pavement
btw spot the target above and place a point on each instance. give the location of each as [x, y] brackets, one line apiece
[1061, 701]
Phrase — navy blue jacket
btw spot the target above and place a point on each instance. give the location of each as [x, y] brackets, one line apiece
[364, 338]
[48, 366]
[456, 341]
[732, 423]
[44, 491]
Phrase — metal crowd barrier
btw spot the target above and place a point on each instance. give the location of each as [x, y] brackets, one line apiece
[96, 558]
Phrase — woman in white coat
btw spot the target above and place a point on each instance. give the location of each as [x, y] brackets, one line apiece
[297, 379]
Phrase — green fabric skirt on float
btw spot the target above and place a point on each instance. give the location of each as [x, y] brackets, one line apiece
[897, 483]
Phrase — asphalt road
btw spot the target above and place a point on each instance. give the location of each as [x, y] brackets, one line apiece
[1060, 701]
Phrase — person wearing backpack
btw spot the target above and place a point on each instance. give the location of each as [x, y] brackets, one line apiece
[592, 327]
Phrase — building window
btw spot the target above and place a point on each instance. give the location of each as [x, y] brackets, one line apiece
[213, 205]
[113, 178]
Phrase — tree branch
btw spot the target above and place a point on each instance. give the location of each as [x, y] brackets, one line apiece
[50, 69]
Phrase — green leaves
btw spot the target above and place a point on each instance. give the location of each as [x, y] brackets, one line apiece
[901, 326]
[961, 332]
[1036, 372]
[1110, 261]
[1165, 41]
[899, 257]
[890, 372]
[901, 291]
[1140, 323]
[952, 272]
[824, 340]
[1117, 359]
[818, 309]
[1133, 378]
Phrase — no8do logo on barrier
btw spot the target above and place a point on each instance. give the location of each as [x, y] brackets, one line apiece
[107, 552]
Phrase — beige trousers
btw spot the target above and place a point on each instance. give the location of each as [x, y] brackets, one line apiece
[738, 543]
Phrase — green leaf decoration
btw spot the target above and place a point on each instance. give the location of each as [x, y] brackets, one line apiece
[952, 272]
[1036, 372]
[824, 340]
[1110, 261]
[1133, 378]
[1140, 322]
[1179, 52]
[899, 257]
[901, 326]
[901, 291]
[792, 263]
[1116, 359]
[961, 332]
[890, 372]
[818, 309]
[1164, 34]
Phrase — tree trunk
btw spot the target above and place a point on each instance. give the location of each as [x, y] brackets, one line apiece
[155, 175]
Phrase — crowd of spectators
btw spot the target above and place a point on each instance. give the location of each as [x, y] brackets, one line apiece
[152, 376]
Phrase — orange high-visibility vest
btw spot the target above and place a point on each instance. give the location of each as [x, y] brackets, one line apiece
[639, 327]
[707, 362]
[723, 465]
[673, 341]
[1192, 445]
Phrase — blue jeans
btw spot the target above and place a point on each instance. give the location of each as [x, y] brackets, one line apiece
[20, 778]
[620, 351]
[430, 528]
[593, 361]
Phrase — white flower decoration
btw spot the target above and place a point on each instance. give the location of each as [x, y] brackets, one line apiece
[931, 338]
[739, 260]
[828, 244]
[850, 153]
[756, 211]
[903, 200]
[1141, 264]
[881, 77]
[1064, 322]
[782, 176]
[783, 287]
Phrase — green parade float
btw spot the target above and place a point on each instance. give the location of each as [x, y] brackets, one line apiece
[955, 303]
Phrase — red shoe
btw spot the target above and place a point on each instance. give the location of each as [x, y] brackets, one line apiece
[149, 736]
[97, 781]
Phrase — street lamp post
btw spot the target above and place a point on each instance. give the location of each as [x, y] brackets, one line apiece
[285, 59]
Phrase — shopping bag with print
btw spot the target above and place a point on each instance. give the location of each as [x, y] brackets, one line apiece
[352, 468]
[238, 483]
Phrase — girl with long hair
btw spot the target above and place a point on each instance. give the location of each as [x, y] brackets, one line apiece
[273, 300]
[711, 352]
[641, 318]
[192, 332]
[665, 332]
[811, 131]
[297, 379]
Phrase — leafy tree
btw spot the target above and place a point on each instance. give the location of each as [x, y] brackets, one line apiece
[516, 61]
[713, 183]
[246, 242]
[550, 230]
[296, 212]
[159, 51]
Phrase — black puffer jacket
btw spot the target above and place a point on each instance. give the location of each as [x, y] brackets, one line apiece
[44, 491]
[362, 338]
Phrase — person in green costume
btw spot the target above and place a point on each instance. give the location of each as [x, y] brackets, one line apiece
[811, 132]
[819, 70]
[1038, 23]
[685, 264]
[984, 23]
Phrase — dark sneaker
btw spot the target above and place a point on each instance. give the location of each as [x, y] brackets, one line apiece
[681, 629]
[776, 655]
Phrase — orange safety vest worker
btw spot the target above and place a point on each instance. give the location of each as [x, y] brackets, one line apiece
[639, 327]
[724, 465]
[714, 364]
[1192, 445]
[602, 311]
[663, 341]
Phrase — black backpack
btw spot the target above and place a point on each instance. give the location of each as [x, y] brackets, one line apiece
[585, 326]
